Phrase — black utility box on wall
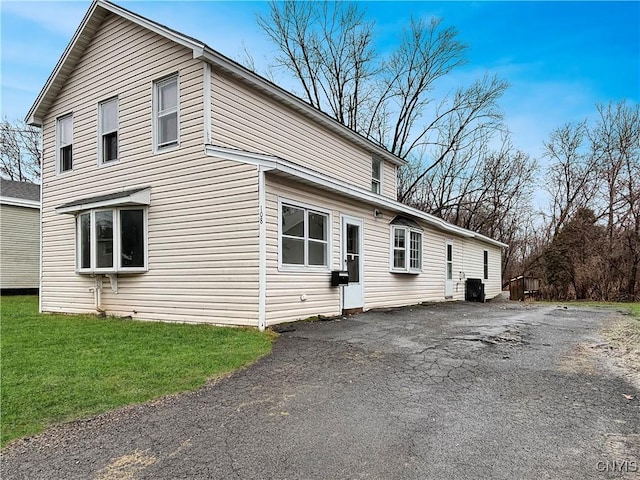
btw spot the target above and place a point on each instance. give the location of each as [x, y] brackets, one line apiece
[474, 290]
[339, 277]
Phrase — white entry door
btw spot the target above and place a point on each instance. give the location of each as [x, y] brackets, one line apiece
[352, 261]
[448, 282]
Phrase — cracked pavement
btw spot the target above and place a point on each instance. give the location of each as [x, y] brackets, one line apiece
[457, 390]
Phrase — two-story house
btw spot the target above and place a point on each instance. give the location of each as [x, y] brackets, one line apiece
[180, 186]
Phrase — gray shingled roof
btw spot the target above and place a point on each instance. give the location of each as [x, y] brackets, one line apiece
[102, 198]
[22, 190]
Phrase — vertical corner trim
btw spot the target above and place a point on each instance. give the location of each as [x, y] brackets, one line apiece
[262, 249]
[206, 100]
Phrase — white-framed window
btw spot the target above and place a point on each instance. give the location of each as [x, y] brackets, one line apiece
[376, 175]
[406, 249]
[166, 119]
[108, 131]
[64, 143]
[304, 235]
[111, 240]
[486, 265]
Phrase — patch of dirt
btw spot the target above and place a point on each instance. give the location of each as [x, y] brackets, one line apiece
[579, 360]
[619, 353]
[623, 352]
[126, 466]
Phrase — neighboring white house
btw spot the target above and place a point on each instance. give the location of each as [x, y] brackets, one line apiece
[19, 237]
[180, 186]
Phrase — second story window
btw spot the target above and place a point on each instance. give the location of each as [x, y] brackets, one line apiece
[376, 175]
[165, 111]
[64, 142]
[108, 127]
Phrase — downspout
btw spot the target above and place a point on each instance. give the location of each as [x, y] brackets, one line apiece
[41, 218]
[97, 294]
[262, 252]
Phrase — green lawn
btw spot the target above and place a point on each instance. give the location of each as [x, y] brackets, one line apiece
[56, 368]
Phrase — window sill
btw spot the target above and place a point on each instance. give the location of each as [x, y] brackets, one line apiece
[166, 148]
[113, 271]
[407, 272]
[106, 164]
[303, 269]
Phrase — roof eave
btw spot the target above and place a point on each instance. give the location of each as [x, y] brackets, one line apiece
[278, 165]
[283, 96]
[82, 36]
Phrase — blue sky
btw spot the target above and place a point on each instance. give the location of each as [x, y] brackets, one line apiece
[559, 57]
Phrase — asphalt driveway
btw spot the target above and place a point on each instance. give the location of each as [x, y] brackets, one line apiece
[445, 391]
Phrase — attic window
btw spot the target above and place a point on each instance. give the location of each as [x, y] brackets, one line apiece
[376, 175]
[165, 111]
[64, 142]
[108, 124]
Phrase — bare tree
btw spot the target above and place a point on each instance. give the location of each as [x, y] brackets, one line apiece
[615, 147]
[328, 48]
[20, 151]
[570, 179]
[458, 129]
[593, 228]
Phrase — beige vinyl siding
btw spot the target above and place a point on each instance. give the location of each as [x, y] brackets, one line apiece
[474, 265]
[389, 180]
[246, 119]
[382, 288]
[203, 216]
[19, 247]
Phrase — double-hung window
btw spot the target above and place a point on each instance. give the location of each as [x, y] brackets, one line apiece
[112, 240]
[108, 131]
[406, 246]
[304, 237]
[376, 175]
[64, 147]
[165, 112]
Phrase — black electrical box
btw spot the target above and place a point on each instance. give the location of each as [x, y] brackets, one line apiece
[474, 290]
[339, 277]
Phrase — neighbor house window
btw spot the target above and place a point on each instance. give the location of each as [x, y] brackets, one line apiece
[108, 128]
[64, 149]
[376, 175]
[165, 111]
[112, 240]
[304, 237]
[406, 247]
[486, 265]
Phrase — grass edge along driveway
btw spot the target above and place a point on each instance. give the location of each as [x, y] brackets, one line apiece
[57, 368]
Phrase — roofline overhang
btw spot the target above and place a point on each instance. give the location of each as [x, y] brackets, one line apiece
[99, 9]
[20, 202]
[120, 199]
[277, 165]
[274, 91]
[96, 13]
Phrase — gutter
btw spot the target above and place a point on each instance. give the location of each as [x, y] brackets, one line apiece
[305, 175]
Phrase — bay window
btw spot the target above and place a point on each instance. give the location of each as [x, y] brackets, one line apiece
[111, 240]
[406, 246]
